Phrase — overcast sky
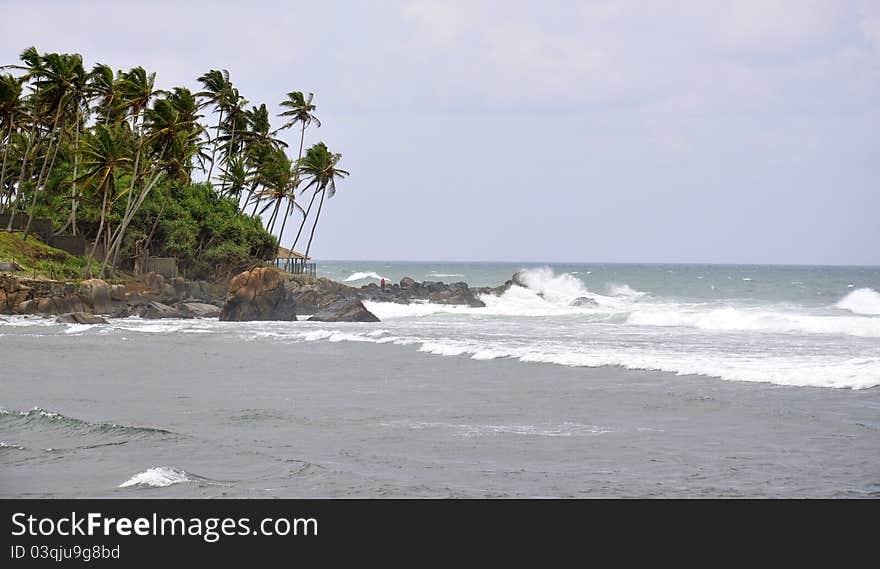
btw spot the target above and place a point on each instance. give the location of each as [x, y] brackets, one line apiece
[678, 131]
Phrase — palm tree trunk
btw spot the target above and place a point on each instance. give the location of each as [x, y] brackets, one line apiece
[71, 221]
[87, 272]
[305, 217]
[271, 225]
[126, 219]
[284, 222]
[249, 196]
[40, 179]
[315, 225]
[5, 156]
[21, 176]
[214, 151]
[231, 143]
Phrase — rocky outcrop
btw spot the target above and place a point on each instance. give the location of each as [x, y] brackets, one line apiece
[583, 302]
[80, 318]
[12, 294]
[409, 290]
[345, 310]
[263, 293]
[313, 294]
[179, 289]
[198, 309]
[155, 310]
[96, 294]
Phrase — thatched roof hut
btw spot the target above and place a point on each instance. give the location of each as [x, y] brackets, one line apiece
[285, 253]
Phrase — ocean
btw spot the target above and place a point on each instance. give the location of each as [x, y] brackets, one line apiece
[682, 380]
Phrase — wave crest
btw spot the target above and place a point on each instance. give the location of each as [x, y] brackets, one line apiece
[861, 301]
[365, 275]
[157, 477]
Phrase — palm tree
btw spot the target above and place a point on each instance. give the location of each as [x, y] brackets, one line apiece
[258, 144]
[174, 141]
[12, 116]
[319, 168]
[277, 175]
[238, 175]
[58, 81]
[104, 151]
[104, 85]
[299, 110]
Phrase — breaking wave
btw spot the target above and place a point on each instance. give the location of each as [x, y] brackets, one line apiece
[40, 417]
[861, 301]
[157, 477]
[360, 276]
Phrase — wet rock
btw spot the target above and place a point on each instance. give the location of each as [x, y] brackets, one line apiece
[198, 309]
[345, 310]
[156, 310]
[96, 293]
[80, 318]
[583, 302]
[408, 282]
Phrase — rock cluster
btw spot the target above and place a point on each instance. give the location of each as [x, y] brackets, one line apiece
[408, 289]
[176, 298]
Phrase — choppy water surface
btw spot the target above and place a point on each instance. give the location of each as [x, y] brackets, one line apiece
[681, 381]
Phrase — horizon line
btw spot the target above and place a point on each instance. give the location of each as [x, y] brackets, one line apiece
[689, 263]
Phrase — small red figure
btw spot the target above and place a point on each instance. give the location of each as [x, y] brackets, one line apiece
[383, 283]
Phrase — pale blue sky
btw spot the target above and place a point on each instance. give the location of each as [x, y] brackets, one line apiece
[680, 131]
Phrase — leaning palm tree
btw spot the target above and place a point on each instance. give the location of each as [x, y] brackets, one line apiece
[318, 166]
[299, 110]
[237, 176]
[218, 91]
[173, 142]
[57, 83]
[104, 152]
[13, 113]
[277, 176]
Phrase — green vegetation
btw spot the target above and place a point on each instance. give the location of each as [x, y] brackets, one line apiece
[108, 156]
[35, 257]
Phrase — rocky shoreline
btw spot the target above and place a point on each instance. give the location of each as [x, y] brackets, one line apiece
[263, 293]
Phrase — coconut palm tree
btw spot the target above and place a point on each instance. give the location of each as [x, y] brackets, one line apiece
[173, 143]
[277, 175]
[218, 91]
[258, 143]
[13, 113]
[237, 176]
[58, 81]
[318, 166]
[105, 151]
[299, 110]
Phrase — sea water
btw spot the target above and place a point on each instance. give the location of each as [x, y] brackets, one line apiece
[681, 380]
[802, 326]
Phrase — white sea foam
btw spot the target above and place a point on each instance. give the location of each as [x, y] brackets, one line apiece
[157, 477]
[861, 301]
[740, 319]
[615, 289]
[360, 276]
[567, 429]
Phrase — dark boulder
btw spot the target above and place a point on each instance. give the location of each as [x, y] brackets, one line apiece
[198, 309]
[345, 310]
[583, 301]
[408, 282]
[80, 318]
[156, 310]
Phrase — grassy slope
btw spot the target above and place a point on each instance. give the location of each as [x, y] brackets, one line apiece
[33, 254]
